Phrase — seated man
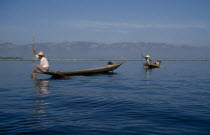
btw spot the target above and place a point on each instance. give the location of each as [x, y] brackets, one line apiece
[44, 64]
[148, 60]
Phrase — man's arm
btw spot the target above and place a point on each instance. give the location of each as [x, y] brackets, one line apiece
[34, 53]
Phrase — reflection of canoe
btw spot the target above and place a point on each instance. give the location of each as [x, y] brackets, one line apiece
[153, 65]
[99, 70]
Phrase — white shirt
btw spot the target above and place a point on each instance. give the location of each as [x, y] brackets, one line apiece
[148, 61]
[43, 62]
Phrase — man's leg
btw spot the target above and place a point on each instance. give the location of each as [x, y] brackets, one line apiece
[40, 69]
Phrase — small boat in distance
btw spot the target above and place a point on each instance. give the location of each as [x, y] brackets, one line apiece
[106, 69]
[153, 65]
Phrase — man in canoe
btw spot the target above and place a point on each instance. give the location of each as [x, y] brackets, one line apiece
[44, 64]
[149, 63]
[148, 60]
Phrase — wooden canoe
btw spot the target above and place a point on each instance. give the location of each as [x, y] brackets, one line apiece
[153, 65]
[100, 70]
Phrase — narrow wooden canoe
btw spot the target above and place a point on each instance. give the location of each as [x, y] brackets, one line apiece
[100, 70]
[153, 65]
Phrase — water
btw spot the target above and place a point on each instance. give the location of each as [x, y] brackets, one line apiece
[173, 100]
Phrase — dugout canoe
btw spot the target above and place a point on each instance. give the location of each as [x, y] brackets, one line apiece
[153, 65]
[105, 69]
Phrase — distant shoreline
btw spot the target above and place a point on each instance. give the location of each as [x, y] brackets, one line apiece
[105, 60]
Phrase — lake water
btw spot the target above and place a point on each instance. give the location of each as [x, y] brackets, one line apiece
[174, 100]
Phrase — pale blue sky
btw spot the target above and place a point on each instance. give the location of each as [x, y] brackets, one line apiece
[107, 21]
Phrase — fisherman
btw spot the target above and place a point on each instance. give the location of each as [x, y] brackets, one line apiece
[44, 64]
[148, 60]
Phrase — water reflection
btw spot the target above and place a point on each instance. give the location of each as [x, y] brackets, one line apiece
[40, 103]
[148, 73]
[41, 86]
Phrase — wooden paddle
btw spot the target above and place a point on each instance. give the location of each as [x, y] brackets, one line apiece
[33, 76]
[58, 73]
[33, 54]
[162, 67]
[142, 56]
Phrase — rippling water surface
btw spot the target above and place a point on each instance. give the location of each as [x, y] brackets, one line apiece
[171, 100]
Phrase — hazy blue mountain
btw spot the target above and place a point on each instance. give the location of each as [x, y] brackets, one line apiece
[93, 50]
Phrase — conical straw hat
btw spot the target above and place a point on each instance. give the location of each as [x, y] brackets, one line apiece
[41, 54]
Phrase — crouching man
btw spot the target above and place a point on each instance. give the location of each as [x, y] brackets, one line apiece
[44, 64]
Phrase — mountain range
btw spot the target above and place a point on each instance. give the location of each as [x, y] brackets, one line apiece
[93, 50]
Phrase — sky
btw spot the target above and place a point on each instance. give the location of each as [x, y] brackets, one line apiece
[177, 22]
